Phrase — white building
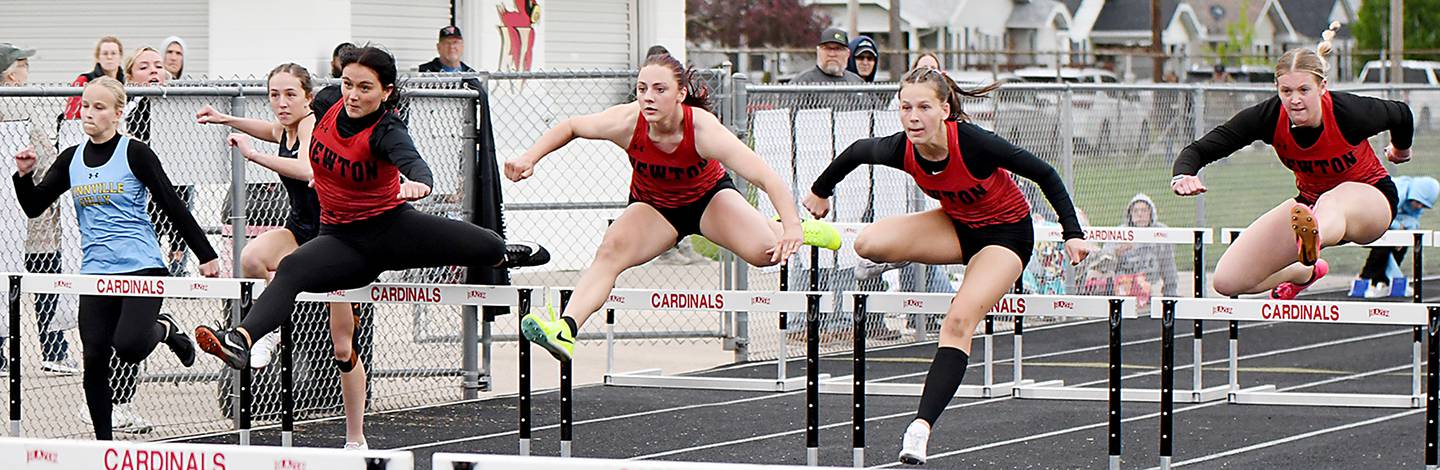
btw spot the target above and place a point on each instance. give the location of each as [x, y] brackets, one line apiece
[248, 38]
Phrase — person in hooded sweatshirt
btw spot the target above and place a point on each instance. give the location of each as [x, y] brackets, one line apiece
[863, 58]
[1383, 264]
[1144, 268]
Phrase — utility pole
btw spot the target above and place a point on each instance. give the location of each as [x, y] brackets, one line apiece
[1397, 40]
[1156, 48]
[852, 9]
[897, 45]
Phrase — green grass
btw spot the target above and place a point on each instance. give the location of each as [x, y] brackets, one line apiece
[1241, 188]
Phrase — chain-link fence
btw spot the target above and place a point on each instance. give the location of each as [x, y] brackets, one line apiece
[1110, 144]
[412, 355]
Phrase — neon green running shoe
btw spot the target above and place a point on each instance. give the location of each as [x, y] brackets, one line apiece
[551, 333]
[820, 234]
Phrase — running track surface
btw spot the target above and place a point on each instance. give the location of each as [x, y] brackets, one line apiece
[998, 433]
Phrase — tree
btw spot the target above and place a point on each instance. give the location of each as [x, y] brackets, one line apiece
[1420, 34]
[755, 23]
[1239, 40]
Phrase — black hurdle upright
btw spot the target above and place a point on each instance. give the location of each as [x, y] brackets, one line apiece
[1115, 401]
[812, 363]
[857, 419]
[1198, 249]
[1416, 297]
[524, 394]
[1017, 337]
[567, 391]
[247, 393]
[15, 356]
[1167, 383]
[287, 378]
[1432, 376]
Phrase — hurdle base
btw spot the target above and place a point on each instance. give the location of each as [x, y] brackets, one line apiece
[1266, 395]
[844, 385]
[1056, 390]
[653, 378]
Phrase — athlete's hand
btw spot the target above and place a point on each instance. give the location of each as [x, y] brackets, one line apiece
[413, 190]
[1396, 155]
[519, 168]
[1187, 185]
[1077, 249]
[242, 142]
[818, 206]
[208, 115]
[211, 269]
[25, 161]
[790, 240]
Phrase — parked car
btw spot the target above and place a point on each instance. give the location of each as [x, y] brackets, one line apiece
[1103, 121]
[1412, 72]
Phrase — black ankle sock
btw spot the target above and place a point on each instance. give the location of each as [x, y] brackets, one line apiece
[946, 373]
[573, 327]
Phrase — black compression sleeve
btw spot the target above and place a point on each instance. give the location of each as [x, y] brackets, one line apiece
[146, 166]
[888, 151]
[392, 142]
[1360, 117]
[1249, 125]
[984, 152]
[34, 199]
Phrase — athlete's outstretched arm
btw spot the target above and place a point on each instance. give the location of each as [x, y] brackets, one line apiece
[715, 142]
[263, 130]
[35, 198]
[295, 168]
[888, 151]
[614, 124]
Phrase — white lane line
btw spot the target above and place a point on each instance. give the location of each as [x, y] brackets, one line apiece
[1297, 437]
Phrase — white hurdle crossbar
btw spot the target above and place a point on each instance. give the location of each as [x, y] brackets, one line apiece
[1235, 310]
[67, 454]
[447, 461]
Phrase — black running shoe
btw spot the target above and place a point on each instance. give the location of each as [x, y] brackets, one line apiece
[177, 340]
[521, 254]
[228, 345]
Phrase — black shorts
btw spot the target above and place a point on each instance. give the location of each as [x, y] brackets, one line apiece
[686, 219]
[301, 232]
[1386, 187]
[1018, 237]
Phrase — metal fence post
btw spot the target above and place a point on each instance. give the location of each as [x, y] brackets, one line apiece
[740, 124]
[1067, 138]
[237, 231]
[469, 314]
[1197, 113]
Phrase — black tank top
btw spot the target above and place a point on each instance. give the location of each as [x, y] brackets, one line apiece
[304, 218]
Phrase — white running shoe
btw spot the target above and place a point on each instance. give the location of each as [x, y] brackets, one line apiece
[351, 445]
[1378, 290]
[63, 367]
[124, 418]
[867, 269]
[912, 446]
[264, 350]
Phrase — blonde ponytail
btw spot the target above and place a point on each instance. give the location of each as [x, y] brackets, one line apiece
[1309, 60]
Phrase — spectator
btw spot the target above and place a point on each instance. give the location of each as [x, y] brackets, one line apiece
[175, 56]
[1383, 264]
[1221, 75]
[108, 52]
[42, 234]
[1045, 273]
[335, 58]
[1141, 269]
[863, 57]
[450, 47]
[656, 50]
[146, 67]
[831, 55]
[927, 59]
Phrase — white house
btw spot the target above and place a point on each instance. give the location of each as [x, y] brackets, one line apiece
[230, 38]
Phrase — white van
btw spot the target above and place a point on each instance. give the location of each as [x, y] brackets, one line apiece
[1105, 121]
[1412, 72]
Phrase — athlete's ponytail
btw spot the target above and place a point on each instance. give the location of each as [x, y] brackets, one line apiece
[946, 89]
[1309, 60]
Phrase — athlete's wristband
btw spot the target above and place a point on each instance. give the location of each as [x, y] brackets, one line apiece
[1177, 178]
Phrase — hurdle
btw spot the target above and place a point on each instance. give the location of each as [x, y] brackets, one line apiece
[1196, 237]
[18, 453]
[243, 290]
[1236, 310]
[448, 461]
[717, 301]
[1416, 240]
[124, 286]
[1114, 309]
